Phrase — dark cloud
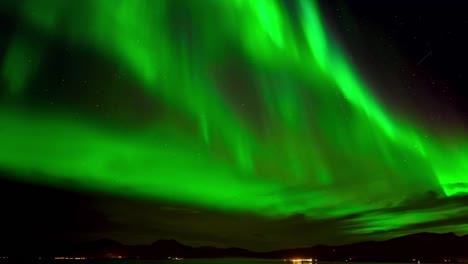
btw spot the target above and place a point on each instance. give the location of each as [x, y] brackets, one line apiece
[459, 185]
[46, 213]
[434, 213]
[38, 213]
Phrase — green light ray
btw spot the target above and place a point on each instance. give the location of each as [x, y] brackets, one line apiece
[19, 65]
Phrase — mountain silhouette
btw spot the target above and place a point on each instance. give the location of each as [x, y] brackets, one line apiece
[423, 247]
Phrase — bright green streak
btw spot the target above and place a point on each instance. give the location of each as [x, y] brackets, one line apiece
[324, 146]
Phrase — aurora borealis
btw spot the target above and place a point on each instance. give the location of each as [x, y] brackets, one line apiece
[242, 106]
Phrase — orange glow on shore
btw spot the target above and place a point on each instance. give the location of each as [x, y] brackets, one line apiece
[300, 260]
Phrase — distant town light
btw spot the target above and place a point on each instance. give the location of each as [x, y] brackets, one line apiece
[69, 258]
[301, 260]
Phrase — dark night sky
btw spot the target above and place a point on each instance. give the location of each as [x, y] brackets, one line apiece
[386, 39]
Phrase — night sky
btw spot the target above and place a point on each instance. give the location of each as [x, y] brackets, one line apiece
[251, 123]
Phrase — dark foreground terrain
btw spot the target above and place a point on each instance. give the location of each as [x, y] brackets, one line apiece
[423, 247]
